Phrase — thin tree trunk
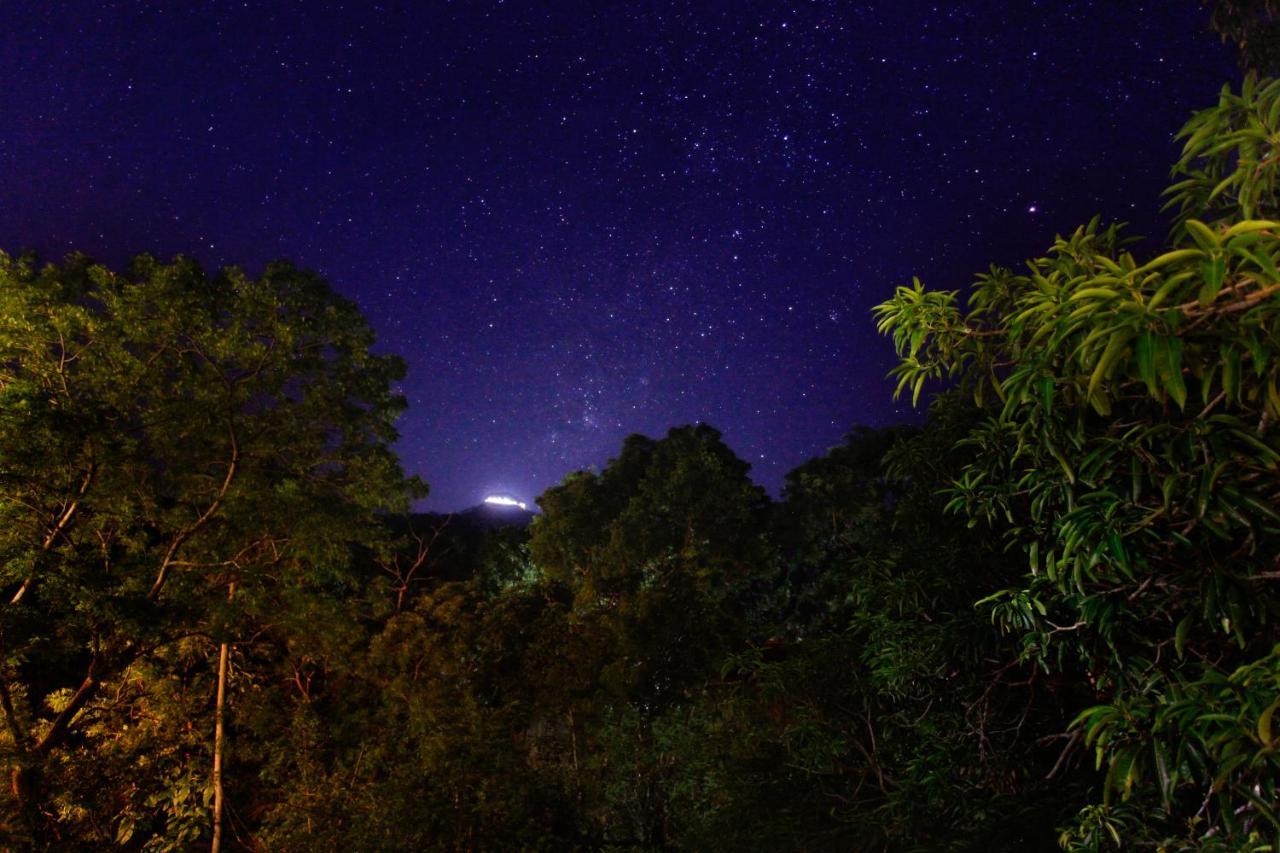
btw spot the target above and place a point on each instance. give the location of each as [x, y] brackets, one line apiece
[217, 750]
[577, 773]
[219, 739]
[20, 772]
[573, 736]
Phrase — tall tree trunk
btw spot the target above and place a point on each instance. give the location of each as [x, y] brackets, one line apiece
[20, 773]
[219, 738]
[25, 776]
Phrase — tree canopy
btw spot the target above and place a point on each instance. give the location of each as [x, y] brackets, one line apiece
[1131, 451]
[164, 435]
[1254, 27]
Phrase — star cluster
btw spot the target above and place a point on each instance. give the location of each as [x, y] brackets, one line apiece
[578, 220]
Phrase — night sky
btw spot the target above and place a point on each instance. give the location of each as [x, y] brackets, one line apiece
[582, 220]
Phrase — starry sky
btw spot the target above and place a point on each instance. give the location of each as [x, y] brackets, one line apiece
[579, 220]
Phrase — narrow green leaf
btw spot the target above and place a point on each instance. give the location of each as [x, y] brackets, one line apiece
[1203, 491]
[1166, 489]
[1213, 271]
[1106, 364]
[1264, 724]
[1046, 393]
[1169, 368]
[1248, 226]
[1144, 349]
[1202, 234]
[1094, 293]
[1180, 635]
[1231, 372]
[1062, 461]
[1257, 353]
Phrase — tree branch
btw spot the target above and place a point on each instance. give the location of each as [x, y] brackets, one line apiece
[195, 526]
[55, 531]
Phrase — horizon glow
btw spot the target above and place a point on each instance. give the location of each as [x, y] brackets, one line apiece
[503, 500]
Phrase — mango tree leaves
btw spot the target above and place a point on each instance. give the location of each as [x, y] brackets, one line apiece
[1137, 416]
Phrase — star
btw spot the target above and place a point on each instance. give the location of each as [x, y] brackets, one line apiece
[575, 227]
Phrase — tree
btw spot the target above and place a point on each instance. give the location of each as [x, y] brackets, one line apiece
[441, 747]
[1131, 450]
[883, 711]
[662, 543]
[662, 550]
[684, 501]
[1254, 27]
[167, 436]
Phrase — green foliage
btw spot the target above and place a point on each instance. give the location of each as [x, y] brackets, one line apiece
[662, 550]
[935, 736]
[1254, 27]
[1046, 617]
[685, 501]
[165, 434]
[431, 746]
[669, 661]
[664, 544]
[1131, 450]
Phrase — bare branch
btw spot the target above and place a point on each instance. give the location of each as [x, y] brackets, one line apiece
[195, 526]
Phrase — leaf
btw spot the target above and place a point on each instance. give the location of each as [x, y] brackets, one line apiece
[1046, 393]
[1221, 187]
[1213, 271]
[1248, 226]
[1169, 368]
[1118, 775]
[1258, 353]
[1264, 724]
[1180, 635]
[916, 389]
[1227, 766]
[1094, 293]
[1144, 350]
[1062, 461]
[1268, 453]
[1231, 372]
[1169, 258]
[1262, 259]
[1168, 287]
[1102, 370]
[1204, 490]
[1202, 234]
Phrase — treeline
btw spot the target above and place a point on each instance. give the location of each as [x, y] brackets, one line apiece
[1045, 618]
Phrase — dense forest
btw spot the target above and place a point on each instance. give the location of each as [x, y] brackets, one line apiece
[1044, 618]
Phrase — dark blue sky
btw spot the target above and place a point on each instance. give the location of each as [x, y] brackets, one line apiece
[582, 220]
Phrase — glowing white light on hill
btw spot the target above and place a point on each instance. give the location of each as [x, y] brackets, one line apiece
[503, 500]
